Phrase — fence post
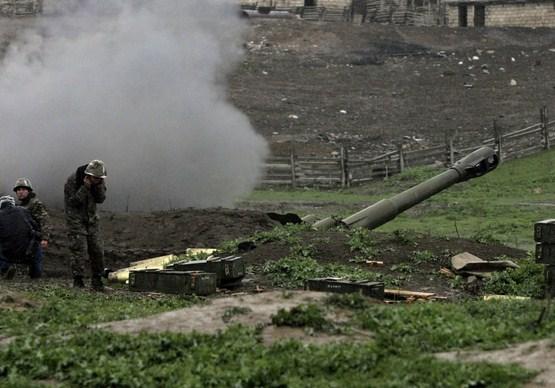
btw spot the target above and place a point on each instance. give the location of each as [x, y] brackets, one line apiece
[401, 157]
[450, 152]
[345, 181]
[545, 129]
[498, 140]
[292, 159]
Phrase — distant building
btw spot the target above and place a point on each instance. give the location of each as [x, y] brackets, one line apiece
[500, 13]
[20, 7]
[296, 3]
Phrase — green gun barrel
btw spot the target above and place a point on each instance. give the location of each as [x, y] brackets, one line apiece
[474, 165]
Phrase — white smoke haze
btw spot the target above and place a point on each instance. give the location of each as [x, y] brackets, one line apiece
[138, 84]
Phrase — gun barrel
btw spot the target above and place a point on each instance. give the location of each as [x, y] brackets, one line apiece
[475, 164]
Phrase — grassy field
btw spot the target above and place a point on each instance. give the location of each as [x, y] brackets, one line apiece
[52, 341]
[55, 345]
[501, 206]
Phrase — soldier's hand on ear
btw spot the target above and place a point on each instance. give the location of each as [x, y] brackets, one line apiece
[87, 181]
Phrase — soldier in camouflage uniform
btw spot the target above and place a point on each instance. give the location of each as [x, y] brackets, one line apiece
[27, 199]
[84, 189]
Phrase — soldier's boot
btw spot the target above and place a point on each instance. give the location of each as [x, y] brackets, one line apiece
[96, 283]
[78, 282]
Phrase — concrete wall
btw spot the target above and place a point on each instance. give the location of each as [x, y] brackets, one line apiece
[538, 14]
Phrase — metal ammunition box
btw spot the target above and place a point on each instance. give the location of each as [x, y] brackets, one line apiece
[545, 253]
[173, 282]
[229, 270]
[372, 289]
[544, 231]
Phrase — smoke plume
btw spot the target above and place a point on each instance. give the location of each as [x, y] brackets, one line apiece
[139, 84]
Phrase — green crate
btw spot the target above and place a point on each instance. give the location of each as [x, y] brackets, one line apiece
[173, 282]
[545, 253]
[371, 289]
[544, 231]
[229, 270]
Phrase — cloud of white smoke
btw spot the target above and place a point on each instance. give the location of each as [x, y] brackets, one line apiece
[138, 84]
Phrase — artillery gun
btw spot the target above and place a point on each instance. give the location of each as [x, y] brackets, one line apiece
[474, 165]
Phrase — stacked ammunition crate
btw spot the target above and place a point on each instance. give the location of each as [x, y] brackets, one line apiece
[544, 235]
[199, 277]
[229, 270]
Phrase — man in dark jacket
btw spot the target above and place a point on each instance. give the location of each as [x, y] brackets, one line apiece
[27, 198]
[84, 189]
[19, 238]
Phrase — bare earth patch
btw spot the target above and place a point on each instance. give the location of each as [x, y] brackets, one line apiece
[536, 355]
[254, 310]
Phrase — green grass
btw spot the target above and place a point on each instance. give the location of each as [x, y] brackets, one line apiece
[398, 353]
[56, 344]
[502, 205]
[61, 309]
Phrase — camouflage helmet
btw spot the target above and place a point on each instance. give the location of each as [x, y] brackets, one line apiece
[96, 168]
[7, 201]
[23, 182]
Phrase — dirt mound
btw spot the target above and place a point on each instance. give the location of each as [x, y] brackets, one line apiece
[413, 259]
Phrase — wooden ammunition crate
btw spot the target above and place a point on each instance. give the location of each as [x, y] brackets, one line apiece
[173, 282]
[545, 253]
[371, 289]
[229, 270]
[544, 231]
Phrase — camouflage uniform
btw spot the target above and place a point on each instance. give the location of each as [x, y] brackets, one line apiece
[39, 214]
[83, 223]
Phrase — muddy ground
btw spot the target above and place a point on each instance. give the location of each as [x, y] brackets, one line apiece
[370, 86]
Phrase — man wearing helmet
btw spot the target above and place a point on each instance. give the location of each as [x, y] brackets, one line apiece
[84, 189]
[28, 199]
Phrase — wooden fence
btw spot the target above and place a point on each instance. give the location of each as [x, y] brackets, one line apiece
[346, 170]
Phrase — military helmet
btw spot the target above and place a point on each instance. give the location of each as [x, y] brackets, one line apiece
[96, 168]
[7, 201]
[23, 182]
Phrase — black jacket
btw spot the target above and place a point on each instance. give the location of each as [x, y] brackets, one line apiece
[18, 235]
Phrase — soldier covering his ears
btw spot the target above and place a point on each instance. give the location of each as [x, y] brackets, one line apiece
[84, 189]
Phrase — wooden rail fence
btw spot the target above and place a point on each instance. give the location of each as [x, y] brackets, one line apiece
[346, 170]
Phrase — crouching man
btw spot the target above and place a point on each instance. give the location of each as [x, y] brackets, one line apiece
[27, 198]
[19, 239]
[84, 189]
